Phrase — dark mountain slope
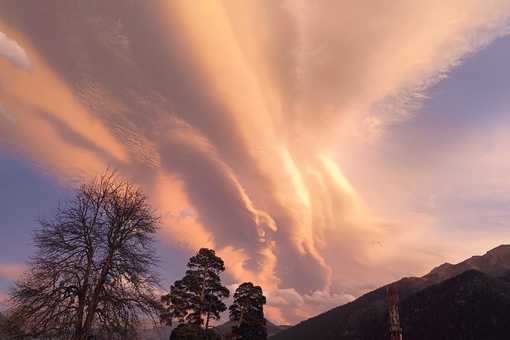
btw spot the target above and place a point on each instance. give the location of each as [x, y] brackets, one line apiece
[472, 305]
[367, 317]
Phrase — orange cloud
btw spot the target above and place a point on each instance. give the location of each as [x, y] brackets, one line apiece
[239, 119]
[51, 122]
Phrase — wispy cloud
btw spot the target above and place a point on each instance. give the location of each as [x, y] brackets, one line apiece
[11, 271]
[14, 53]
[6, 115]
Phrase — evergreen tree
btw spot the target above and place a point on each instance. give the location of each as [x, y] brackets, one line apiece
[248, 311]
[199, 293]
[93, 272]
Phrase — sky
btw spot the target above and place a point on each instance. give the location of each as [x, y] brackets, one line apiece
[322, 149]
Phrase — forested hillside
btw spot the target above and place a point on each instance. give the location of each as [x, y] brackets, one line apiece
[470, 300]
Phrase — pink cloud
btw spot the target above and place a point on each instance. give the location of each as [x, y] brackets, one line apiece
[11, 271]
[238, 121]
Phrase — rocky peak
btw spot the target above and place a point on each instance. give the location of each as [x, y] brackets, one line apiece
[495, 262]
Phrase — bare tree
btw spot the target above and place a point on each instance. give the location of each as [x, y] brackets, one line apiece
[93, 275]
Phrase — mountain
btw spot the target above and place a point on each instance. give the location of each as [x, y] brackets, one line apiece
[448, 300]
[164, 332]
[272, 329]
[472, 305]
[156, 334]
[495, 262]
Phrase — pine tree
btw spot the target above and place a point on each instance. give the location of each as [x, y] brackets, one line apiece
[248, 312]
[199, 293]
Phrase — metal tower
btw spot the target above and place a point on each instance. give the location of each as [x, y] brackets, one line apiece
[395, 330]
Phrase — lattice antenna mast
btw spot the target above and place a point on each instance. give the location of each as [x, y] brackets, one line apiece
[395, 330]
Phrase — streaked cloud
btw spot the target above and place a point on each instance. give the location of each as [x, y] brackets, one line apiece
[257, 128]
[6, 115]
[11, 271]
[15, 54]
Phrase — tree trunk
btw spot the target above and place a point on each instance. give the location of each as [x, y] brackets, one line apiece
[82, 296]
[239, 323]
[207, 321]
[95, 297]
[202, 295]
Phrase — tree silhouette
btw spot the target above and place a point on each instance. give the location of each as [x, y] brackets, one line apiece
[92, 273]
[199, 293]
[248, 311]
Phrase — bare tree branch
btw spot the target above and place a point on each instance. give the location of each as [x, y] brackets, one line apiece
[93, 272]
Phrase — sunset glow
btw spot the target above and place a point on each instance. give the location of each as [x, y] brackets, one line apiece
[322, 148]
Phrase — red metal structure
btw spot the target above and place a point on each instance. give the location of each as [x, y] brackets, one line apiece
[395, 329]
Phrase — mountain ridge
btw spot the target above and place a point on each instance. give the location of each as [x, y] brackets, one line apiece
[345, 321]
[495, 262]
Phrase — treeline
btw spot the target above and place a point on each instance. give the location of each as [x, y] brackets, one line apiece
[93, 276]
